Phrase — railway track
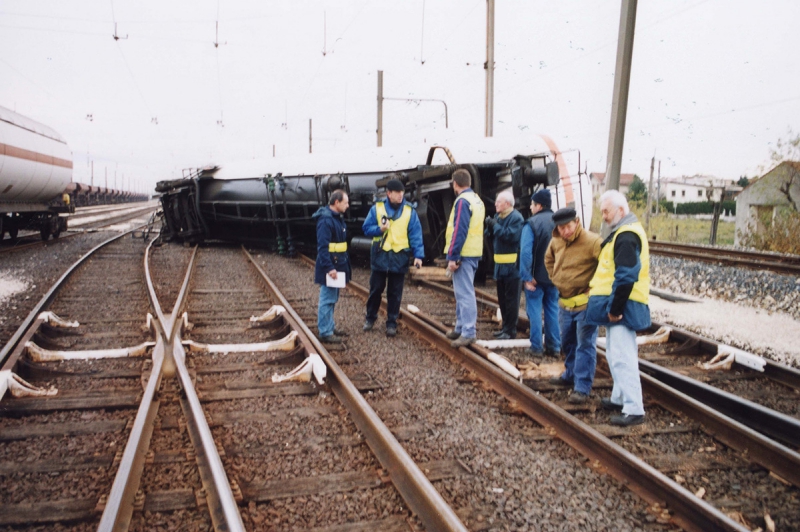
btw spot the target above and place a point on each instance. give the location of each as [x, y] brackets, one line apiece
[698, 417]
[775, 262]
[80, 222]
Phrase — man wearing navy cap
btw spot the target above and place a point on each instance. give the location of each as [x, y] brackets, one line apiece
[540, 293]
[395, 229]
[571, 261]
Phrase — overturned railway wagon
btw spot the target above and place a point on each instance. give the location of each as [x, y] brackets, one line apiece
[275, 209]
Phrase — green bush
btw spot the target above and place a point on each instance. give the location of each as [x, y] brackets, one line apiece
[700, 207]
[779, 234]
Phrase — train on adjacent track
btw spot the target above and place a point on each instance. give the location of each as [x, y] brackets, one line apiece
[270, 203]
[36, 187]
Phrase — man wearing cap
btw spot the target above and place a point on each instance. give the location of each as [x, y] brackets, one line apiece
[540, 294]
[619, 296]
[505, 229]
[395, 229]
[571, 260]
[332, 262]
[464, 248]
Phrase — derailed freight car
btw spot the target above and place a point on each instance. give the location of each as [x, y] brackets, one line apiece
[275, 209]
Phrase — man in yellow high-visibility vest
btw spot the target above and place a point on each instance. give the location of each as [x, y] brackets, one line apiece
[396, 235]
[332, 263]
[619, 296]
[464, 248]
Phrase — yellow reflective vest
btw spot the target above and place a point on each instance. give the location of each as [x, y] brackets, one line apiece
[473, 246]
[396, 237]
[603, 280]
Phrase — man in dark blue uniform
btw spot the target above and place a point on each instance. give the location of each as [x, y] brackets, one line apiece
[332, 262]
[505, 229]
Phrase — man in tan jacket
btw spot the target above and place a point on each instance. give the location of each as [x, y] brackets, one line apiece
[571, 260]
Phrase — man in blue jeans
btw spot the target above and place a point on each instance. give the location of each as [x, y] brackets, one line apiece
[332, 262]
[571, 260]
[464, 248]
[540, 293]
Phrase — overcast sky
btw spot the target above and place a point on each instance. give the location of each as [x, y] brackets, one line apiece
[714, 84]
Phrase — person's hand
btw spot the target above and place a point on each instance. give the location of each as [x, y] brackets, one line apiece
[530, 286]
[452, 265]
[333, 274]
[614, 319]
[489, 222]
[384, 226]
[417, 263]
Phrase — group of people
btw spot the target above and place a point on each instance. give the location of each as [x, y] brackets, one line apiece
[573, 280]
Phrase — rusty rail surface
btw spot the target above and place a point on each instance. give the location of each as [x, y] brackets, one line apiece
[415, 488]
[774, 262]
[691, 512]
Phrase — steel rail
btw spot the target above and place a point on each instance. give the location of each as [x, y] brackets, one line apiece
[776, 425]
[46, 300]
[774, 370]
[690, 512]
[415, 488]
[748, 259]
[222, 504]
[757, 448]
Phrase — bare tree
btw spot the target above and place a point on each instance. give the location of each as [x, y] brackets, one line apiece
[789, 151]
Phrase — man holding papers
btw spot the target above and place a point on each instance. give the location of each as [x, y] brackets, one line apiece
[332, 269]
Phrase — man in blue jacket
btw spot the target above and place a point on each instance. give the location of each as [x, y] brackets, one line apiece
[540, 292]
[395, 229]
[332, 262]
[505, 229]
[619, 297]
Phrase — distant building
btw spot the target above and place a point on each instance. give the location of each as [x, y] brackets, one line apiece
[776, 191]
[696, 188]
[598, 180]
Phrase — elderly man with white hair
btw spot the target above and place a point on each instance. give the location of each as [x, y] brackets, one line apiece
[619, 294]
[505, 229]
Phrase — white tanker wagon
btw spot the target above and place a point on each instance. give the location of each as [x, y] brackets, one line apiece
[270, 202]
[35, 170]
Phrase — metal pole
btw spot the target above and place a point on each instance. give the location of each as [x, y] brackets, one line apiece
[619, 104]
[649, 196]
[92, 181]
[658, 197]
[380, 108]
[489, 67]
[309, 135]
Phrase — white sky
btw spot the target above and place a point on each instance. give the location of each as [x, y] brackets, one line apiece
[715, 83]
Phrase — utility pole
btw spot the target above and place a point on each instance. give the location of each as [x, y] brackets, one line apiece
[273, 150]
[309, 135]
[380, 108]
[92, 181]
[619, 104]
[658, 196]
[106, 177]
[489, 67]
[649, 196]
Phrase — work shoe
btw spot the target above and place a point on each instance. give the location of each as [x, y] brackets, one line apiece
[607, 404]
[498, 333]
[368, 325]
[452, 334]
[462, 341]
[626, 420]
[504, 336]
[340, 332]
[330, 339]
[559, 381]
[551, 352]
[391, 332]
[534, 353]
[577, 398]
